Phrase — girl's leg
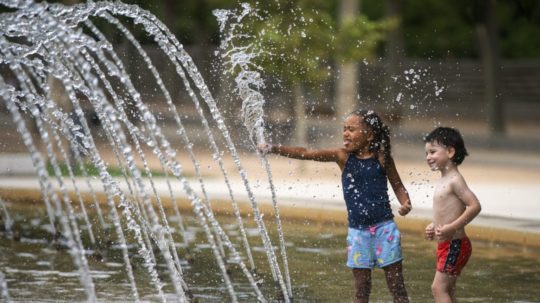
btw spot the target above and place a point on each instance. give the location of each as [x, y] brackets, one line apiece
[443, 287]
[394, 280]
[362, 285]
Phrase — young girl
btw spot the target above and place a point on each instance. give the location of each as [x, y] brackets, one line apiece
[366, 165]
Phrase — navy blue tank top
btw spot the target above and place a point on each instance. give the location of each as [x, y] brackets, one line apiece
[365, 191]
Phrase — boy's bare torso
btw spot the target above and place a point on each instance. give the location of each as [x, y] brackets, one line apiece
[447, 206]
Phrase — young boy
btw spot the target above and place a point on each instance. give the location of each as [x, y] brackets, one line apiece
[454, 206]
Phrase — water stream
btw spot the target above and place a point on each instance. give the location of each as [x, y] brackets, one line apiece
[59, 66]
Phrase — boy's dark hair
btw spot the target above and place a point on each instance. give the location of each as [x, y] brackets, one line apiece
[449, 137]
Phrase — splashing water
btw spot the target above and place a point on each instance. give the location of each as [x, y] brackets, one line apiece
[239, 62]
[239, 58]
[8, 222]
[3, 288]
[60, 66]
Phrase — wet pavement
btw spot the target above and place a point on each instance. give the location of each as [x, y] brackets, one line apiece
[509, 194]
[505, 179]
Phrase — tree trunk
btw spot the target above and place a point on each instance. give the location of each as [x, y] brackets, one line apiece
[489, 49]
[300, 127]
[394, 51]
[347, 81]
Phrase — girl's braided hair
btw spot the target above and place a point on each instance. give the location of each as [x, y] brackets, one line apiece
[381, 133]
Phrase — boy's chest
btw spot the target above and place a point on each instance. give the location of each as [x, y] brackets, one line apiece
[442, 195]
[442, 191]
[445, 200]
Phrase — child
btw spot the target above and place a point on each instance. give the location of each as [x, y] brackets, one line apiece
[366, 165]
[454, 206]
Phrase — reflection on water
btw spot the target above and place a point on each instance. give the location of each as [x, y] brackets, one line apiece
[37, 270]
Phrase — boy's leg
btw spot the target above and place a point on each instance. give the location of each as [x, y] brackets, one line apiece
[394, 280]
[443, 287]
[362, 285]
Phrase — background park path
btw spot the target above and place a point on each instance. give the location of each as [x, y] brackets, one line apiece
[504, 173]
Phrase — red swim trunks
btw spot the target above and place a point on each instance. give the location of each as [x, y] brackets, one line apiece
[453, 255]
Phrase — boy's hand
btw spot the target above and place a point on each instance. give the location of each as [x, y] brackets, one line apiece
[264, 148]
[444, 232]
[430, 232]
[405, 208]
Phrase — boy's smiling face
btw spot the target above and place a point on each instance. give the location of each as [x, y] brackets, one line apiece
[438, 156]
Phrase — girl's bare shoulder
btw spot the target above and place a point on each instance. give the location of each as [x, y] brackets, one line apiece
[341, 156]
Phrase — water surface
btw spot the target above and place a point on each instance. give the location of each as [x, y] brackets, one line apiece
[36, 270]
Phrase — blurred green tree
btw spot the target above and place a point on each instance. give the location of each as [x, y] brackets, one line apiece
[304, 40]
[431, 28]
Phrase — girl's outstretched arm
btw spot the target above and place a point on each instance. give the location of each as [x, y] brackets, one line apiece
[296, 152]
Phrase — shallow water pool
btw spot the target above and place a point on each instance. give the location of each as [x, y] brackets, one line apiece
[35, 270]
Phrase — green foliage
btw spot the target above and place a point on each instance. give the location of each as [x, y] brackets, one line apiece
[93, 171]
[439, 29]
[297, 46]
[433, 28]
[519, 23]
[300, 40]
[365, 34]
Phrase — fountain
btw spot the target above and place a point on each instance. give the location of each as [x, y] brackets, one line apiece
[59, 66]
[120, 218]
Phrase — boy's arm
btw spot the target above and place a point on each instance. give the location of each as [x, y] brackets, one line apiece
[398, 187]
[472, 209]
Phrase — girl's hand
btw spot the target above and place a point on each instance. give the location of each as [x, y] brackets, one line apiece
[405, 208]
[264, 148]
[430, 232]
[444, 232]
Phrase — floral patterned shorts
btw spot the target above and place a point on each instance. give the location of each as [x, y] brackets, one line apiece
[378, 245]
